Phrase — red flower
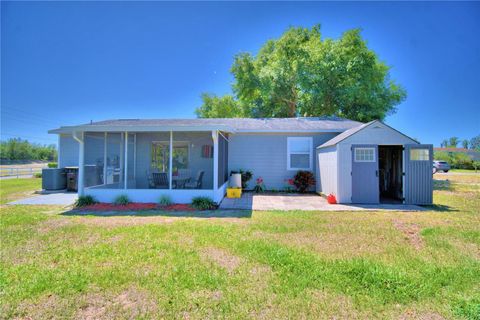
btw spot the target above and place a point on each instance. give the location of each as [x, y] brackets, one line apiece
[289, 181]
[259, 180]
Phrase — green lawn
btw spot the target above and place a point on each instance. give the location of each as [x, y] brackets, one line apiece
[418, 265]
[13, 189]
[465, 170]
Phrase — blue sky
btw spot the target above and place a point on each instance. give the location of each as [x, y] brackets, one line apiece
[64, 63]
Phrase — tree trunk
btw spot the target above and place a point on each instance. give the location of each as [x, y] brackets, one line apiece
[292, 109]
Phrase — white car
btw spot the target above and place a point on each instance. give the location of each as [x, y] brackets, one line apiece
[440, 166]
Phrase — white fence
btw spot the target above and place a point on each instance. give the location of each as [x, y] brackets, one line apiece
[19, 171]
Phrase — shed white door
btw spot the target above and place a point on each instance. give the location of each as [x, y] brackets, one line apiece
[365, 187]
[418, 174]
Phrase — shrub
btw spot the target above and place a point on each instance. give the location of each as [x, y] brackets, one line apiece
[37, 175]
[259, 186]
[246, 176]
[303, 180]
[203, 203]
[121, 200]
[52, 164]
[165, 200]
[83, 201]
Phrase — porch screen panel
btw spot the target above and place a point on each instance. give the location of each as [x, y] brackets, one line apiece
[222, 159]
[115, 161]
[152, 164]
[192, 160]
[94, 158]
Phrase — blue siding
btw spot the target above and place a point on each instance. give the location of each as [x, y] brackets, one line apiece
[266, 156]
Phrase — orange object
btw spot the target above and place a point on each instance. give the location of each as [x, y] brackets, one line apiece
[331, 199]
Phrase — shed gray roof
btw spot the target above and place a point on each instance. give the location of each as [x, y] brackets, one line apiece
[350, 132]
[312, 124]
[345, 134]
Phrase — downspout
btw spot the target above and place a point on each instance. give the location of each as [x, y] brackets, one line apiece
[78, 136]
[58, 150]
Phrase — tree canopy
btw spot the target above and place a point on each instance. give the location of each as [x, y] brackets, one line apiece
[301, 74]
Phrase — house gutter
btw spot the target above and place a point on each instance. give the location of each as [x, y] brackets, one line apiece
[78, 136]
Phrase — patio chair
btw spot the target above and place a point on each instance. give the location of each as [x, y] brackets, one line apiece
[160, 180]
[196, 184]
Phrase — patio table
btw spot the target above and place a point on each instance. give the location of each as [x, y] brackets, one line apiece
[179, 182]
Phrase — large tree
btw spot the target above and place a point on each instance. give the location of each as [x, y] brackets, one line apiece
[219, 107]
[301, 74]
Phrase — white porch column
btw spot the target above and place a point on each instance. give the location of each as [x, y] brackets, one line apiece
[105, 158]
[125, 173]
[215, 159]
[170, 162]
[79, 136]
[135, 158]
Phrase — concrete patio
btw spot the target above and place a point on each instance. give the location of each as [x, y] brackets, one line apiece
[307, 202]
[60, 198]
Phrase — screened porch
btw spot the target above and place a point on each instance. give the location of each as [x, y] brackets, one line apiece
[156, 162]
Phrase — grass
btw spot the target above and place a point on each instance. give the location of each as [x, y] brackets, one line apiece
[13, 189]
[465, 170]
[369, 265]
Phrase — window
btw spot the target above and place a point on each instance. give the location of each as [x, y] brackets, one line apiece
[160, 156]
[299, 153]
[364, 154]
[420, 154]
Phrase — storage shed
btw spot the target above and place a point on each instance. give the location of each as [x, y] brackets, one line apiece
[374, 163]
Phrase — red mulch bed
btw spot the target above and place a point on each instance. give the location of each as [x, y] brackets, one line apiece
[136, 206]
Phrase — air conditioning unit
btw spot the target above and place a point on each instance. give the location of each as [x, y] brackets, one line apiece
[54, 179]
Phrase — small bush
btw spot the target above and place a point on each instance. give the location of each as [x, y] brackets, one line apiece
[37, 175]
[165, 200]
[203, 203]
[83, 201]
[303, 180]
[52, 164]
[121, 200]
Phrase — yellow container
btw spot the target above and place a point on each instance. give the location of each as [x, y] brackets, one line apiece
[234, 193]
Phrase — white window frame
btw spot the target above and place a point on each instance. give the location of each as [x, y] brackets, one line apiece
[310, 153]
[422, 149]
[363, 149]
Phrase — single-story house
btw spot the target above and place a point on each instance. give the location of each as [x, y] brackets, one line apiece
[185, 158]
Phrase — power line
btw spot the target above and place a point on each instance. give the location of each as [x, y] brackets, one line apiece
[29, 137]
[28, 120]
[26, 116]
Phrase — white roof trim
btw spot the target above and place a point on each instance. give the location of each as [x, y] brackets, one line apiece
[141, 128]
[99, 128]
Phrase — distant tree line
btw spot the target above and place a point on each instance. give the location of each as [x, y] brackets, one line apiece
[459, 160]
[453, 142]
[19, 149]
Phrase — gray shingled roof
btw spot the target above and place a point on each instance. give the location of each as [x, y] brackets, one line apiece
[236, 124]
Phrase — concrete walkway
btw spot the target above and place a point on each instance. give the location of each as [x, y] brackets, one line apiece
[307, 202]
[62, 198]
